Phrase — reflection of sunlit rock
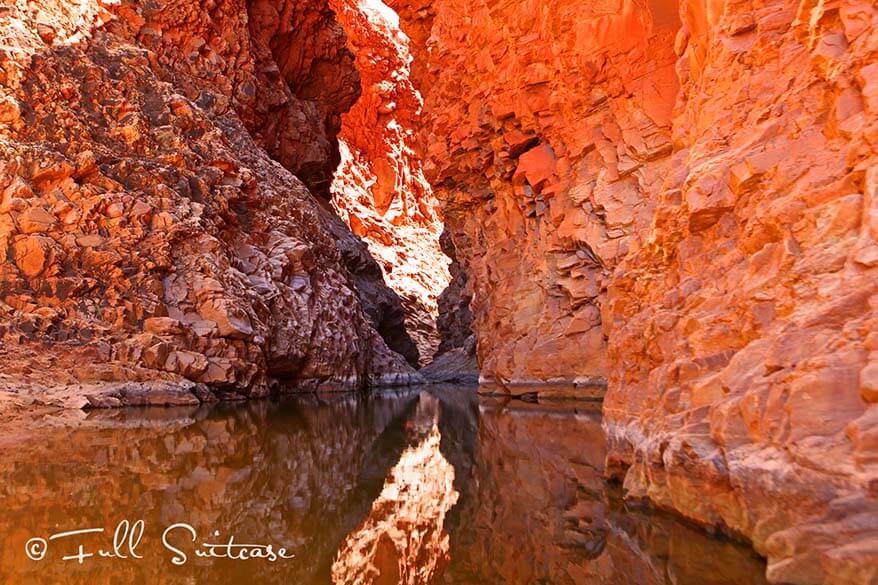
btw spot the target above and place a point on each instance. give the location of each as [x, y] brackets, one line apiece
[379, 490]
[403, 539]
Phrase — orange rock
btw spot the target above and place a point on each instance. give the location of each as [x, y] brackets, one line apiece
[32, 254]
[36, 220]
[717, 172]
[148, 159]
[380, 190]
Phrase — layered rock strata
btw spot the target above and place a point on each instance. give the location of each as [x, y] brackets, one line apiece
[547, 129]
[743, 335]
[681, 200]
[154, 223]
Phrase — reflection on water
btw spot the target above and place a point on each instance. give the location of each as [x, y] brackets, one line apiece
[412, 487]
[403, 538]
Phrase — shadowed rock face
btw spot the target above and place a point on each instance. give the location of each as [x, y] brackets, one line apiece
[382, 305]
[681, 199]
[305, 80]
[455, 318]
[148, 231]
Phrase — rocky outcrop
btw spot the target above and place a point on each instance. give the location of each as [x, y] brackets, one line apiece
[152, 216]
[458, 365]
[681, 200]
[380, 190]
[382, 305]
[743, 333]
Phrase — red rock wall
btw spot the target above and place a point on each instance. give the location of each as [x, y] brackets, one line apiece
[148, 232]
[380, 190]
[548, 127]
[687, 206]
[743, 335]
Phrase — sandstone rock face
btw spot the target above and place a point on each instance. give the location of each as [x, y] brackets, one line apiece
[153, 223]
[686, 206]
[742, 334]
[548, 127]
[380, 190]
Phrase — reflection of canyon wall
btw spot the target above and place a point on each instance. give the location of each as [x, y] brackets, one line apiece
[687, 206]
[391, 489]
[147, 233]
[301, 477]
[403, 539]
[545, 492]
[380, 190]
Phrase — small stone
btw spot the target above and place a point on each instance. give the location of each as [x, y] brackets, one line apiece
[32, 254]
[162, 326]
[204, 328]
[231, 320]
[36, 220]
[537, 165]
[156, 355]
[90, 241]
[188, 364]
[115, 210]
[219, 371]
[10, 110]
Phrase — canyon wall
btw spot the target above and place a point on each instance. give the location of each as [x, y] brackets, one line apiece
[547, 129]
[681, 200]
[743, 335]
[164, 184]
[380, 190]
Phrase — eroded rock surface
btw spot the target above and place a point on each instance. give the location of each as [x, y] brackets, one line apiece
[681, 199]
[742, 336]
[548, 128]
[380, 190]
[153, 224]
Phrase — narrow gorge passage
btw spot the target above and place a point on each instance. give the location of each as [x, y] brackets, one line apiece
[662, 210]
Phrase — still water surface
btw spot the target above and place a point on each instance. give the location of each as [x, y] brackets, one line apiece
[430, 486]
